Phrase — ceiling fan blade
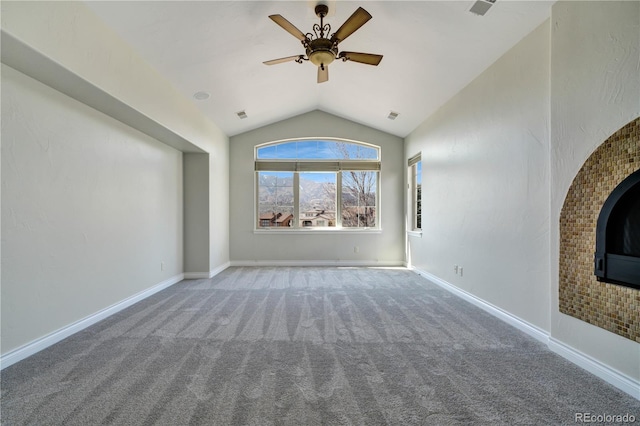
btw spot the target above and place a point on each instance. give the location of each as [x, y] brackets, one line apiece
[355, 21]
[363, 58]
[288, 26]
[281, 60]
[323, 73]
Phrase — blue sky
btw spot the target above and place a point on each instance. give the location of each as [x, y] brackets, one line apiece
[315, 149]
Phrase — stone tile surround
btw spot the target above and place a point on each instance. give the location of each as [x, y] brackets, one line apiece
[612, 307]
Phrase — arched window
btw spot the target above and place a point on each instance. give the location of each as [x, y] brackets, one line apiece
[317, 184]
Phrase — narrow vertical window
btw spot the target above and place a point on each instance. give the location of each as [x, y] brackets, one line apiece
[415, 192]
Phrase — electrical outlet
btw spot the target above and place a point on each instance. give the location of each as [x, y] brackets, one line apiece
[356, 249]
[162, 266]
[455, 268]
[461, 271]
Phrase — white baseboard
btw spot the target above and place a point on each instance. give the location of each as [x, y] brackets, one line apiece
[597, 368]
[343, 263]
[37, 345]
[614, 377]
[204, 275]
[196, 275]
[219, 269]
[530, 329]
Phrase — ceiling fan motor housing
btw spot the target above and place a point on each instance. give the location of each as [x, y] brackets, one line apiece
[322, 51]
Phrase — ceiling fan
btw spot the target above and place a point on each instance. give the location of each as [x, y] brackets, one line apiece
[320, 50]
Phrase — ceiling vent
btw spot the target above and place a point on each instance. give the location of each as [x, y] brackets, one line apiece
[242, 115]
[393, 115]
[481, 7]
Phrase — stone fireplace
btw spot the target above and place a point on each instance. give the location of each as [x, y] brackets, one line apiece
[587, 253]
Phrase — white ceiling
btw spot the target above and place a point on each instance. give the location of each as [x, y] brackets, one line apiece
[432, 49]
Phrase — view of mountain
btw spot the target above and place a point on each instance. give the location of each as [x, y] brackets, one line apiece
[275, 190]
[317, 193]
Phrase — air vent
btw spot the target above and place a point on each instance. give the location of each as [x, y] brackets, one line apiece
[393, 115]
[241, 114]
[481, 7]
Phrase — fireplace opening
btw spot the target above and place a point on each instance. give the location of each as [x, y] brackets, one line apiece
[617, 256]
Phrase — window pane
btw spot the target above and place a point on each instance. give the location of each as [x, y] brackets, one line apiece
[314, 164]
[275, 199]
[269, 152]
[317, 149]
[419, 195]
[327, 150]
[352, 151]
[367, 152]
[359, 199]
[285, 150]
[307, 149]
[416, 195]
[317, 199]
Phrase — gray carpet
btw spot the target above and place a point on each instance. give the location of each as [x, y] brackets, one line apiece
[303, 346]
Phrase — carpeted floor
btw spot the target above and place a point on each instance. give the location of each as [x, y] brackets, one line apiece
[303, 346]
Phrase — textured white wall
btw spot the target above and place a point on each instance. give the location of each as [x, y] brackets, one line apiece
[69, 33]
[499, 158]
[595, 90]
[486, 184]
[90, 209]
[384, 247]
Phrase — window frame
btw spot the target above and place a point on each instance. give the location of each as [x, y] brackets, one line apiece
[414, 167]
[299, 166]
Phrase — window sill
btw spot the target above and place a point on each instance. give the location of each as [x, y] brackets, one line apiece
[318, 231]
[415, 234]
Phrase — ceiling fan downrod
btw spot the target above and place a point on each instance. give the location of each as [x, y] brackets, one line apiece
[321, 11]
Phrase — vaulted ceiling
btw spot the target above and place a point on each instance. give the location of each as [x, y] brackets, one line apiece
[432, 49]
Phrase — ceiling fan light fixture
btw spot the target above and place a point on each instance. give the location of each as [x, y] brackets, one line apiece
[321, 51]
[321, 57]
